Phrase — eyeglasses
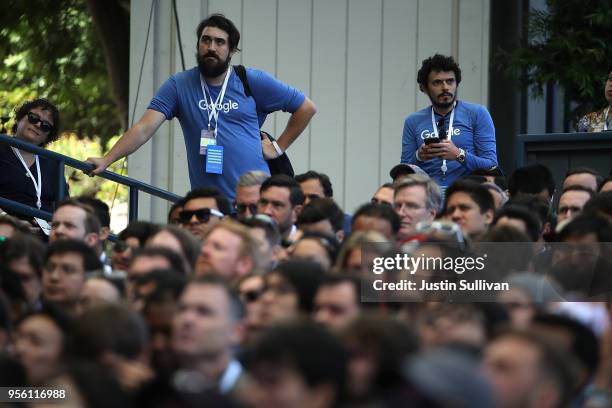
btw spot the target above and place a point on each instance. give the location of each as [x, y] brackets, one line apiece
[202, 214]
[35, 120]
[241, 209]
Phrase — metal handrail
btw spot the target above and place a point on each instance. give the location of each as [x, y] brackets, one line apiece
[134, 185]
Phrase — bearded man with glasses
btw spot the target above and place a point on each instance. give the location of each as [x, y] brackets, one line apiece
[26, 177]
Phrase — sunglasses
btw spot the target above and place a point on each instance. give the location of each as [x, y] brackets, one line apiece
[242, 208]
[35, 120]
[202, 214]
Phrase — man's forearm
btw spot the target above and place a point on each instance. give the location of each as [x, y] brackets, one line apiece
[135, 137]
[297, 123]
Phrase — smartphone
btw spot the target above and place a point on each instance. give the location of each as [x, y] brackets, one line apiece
[431, 140]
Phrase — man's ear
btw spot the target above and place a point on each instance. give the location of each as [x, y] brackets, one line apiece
[104, 233]
[296, 211]
[91, 239]
[489, 216]
[421, 88]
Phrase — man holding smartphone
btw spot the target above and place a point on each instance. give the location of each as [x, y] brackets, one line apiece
[450, 138]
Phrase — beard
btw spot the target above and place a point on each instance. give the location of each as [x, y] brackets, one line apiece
[212, 67]
[441, 104]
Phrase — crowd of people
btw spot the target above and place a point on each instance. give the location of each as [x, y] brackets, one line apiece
[259, 302]
[256, 292]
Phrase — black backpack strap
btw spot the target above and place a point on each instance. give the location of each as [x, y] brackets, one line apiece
[241, 72]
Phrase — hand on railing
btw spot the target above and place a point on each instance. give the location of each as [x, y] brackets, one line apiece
[98, 165]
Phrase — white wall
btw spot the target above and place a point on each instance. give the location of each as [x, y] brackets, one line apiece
[356, 59]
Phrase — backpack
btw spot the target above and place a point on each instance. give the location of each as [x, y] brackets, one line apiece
[282, 164]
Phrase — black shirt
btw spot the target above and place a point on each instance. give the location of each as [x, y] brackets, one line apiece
[16, 185]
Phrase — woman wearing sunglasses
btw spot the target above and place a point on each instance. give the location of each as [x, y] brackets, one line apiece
[26, 177]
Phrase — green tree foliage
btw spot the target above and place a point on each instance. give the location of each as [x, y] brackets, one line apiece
[50, 49]
[569, 44]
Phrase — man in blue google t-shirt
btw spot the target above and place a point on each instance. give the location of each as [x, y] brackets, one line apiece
[221, 109]
[450, 138]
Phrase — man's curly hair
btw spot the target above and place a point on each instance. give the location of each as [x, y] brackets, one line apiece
[43, 104]
[438, 63]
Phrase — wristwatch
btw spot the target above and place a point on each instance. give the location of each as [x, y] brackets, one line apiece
[461, 156]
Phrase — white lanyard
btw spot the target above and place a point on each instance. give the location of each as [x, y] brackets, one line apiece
[606, 118]
[37, 185]
[213, 108]
[444, 168]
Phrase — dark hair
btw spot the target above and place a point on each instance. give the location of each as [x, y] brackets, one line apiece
[531, 179]
[91, 262]
[323, 179]
[309, 348]
[222, 23]
[99, 207]
[338, 279]
[296, 196]
[438, 63]
[59, 317]
[391, 341]
[266, 223]
[586, 224]
[110, 328]
[141, 230]
[305, 277]
[381, 211]
[174, 259]
[174, 206]
[91, 223]
[579, 170]
[44, 104]
[584, 342]
[14, 222]
[322, 209]
[534, 204]
[477, 192]
[168, 285]
[11, 287]
[237, 309]
[532, 224]
[222, 202]
[22, 245]
[599, 204]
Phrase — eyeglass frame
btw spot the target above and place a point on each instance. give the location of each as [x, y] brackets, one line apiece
[203, 219]
[34, 119]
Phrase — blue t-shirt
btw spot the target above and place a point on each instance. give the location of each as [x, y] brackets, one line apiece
[240, 119]
[473, 131]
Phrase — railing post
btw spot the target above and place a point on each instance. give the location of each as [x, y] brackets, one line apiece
[133, 206]
[61, 181]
